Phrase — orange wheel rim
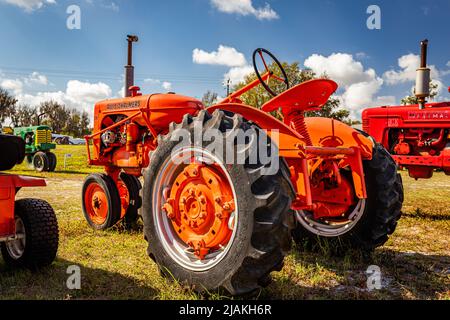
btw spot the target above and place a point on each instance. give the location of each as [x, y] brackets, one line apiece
[195, 208]
[96, 203]
[200, 206]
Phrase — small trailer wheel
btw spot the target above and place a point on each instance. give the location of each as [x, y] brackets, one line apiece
[37, 236]
[101, 201]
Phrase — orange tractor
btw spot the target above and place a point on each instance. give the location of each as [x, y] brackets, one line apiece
[226, 187]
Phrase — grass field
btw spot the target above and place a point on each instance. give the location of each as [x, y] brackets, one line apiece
[415, 263]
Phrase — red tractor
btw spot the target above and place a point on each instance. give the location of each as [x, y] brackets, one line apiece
[417, 136]
[224, 186]
[28, 227]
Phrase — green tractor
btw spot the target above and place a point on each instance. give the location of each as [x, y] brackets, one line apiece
[38, 146]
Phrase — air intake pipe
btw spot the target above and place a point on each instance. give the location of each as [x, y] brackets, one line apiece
[423, 77]
[129, 68]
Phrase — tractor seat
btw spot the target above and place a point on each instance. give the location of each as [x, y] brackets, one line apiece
[307, 96]
[13, 151]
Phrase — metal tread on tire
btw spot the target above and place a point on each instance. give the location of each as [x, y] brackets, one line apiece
[262, 237]
[381, 213]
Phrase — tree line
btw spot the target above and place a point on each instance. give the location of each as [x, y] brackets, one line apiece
[62, 119]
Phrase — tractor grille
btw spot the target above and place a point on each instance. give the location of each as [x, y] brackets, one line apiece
[365, 125]
[43, 136]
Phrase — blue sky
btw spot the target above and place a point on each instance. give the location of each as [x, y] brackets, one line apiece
[40, 58]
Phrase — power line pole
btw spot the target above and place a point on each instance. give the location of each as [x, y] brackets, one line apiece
[228, 87]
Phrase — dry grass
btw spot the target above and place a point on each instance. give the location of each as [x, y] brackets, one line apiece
[415, 263]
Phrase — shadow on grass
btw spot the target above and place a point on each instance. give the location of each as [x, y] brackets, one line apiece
[50, 283]
[404, 276]
[422, 214]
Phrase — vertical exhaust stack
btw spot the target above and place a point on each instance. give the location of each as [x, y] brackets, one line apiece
[129, 68]
[423, 76]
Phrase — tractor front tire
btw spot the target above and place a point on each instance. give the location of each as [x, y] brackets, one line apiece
[52, 161]
[260, 227]
[41, 162]
[101, 201]
[380, 214]
[37, 229]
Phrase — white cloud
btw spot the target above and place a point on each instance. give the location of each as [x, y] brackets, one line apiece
[87, 92]
[245, 8]
[112, 6]
[78, 95]
[341, 67]
[167, 85]
[408, 66]
[121, 92]
[448, 64]
[13, 85]
[385, 101]
[29, 5]
[361, 55]
[360, 86]
[16, 86]
[237, 74]
[156, 82]
[36, 78]
[224, 56]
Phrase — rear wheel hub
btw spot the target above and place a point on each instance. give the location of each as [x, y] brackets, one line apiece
[200, 204]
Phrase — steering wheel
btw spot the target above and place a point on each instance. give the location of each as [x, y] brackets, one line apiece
[271, 74]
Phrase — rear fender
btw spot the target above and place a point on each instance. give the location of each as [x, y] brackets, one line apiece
[286, 139]
[9, 185]
[324, 132]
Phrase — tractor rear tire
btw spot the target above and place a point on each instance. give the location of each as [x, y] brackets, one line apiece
[261, 233]
[134, 187]
[52, 161]
[37, 223]
[101, 201]
[380, 216]
[41, 162]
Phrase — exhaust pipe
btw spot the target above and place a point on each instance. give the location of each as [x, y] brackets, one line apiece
[129, 68]
[423, 76]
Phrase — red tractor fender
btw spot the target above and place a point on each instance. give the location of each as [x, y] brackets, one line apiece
[9, 185]
[327, 132]
[324, 132]
[287, 139]
[13, 181]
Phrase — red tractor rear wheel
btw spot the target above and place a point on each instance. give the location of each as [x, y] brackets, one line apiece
[365, 225]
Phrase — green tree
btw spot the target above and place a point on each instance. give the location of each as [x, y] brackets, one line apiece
[259, 96]
[55, 115]
[24, 116]
[84, 124]
[209, 98]
[412, 99]
[7, 105]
